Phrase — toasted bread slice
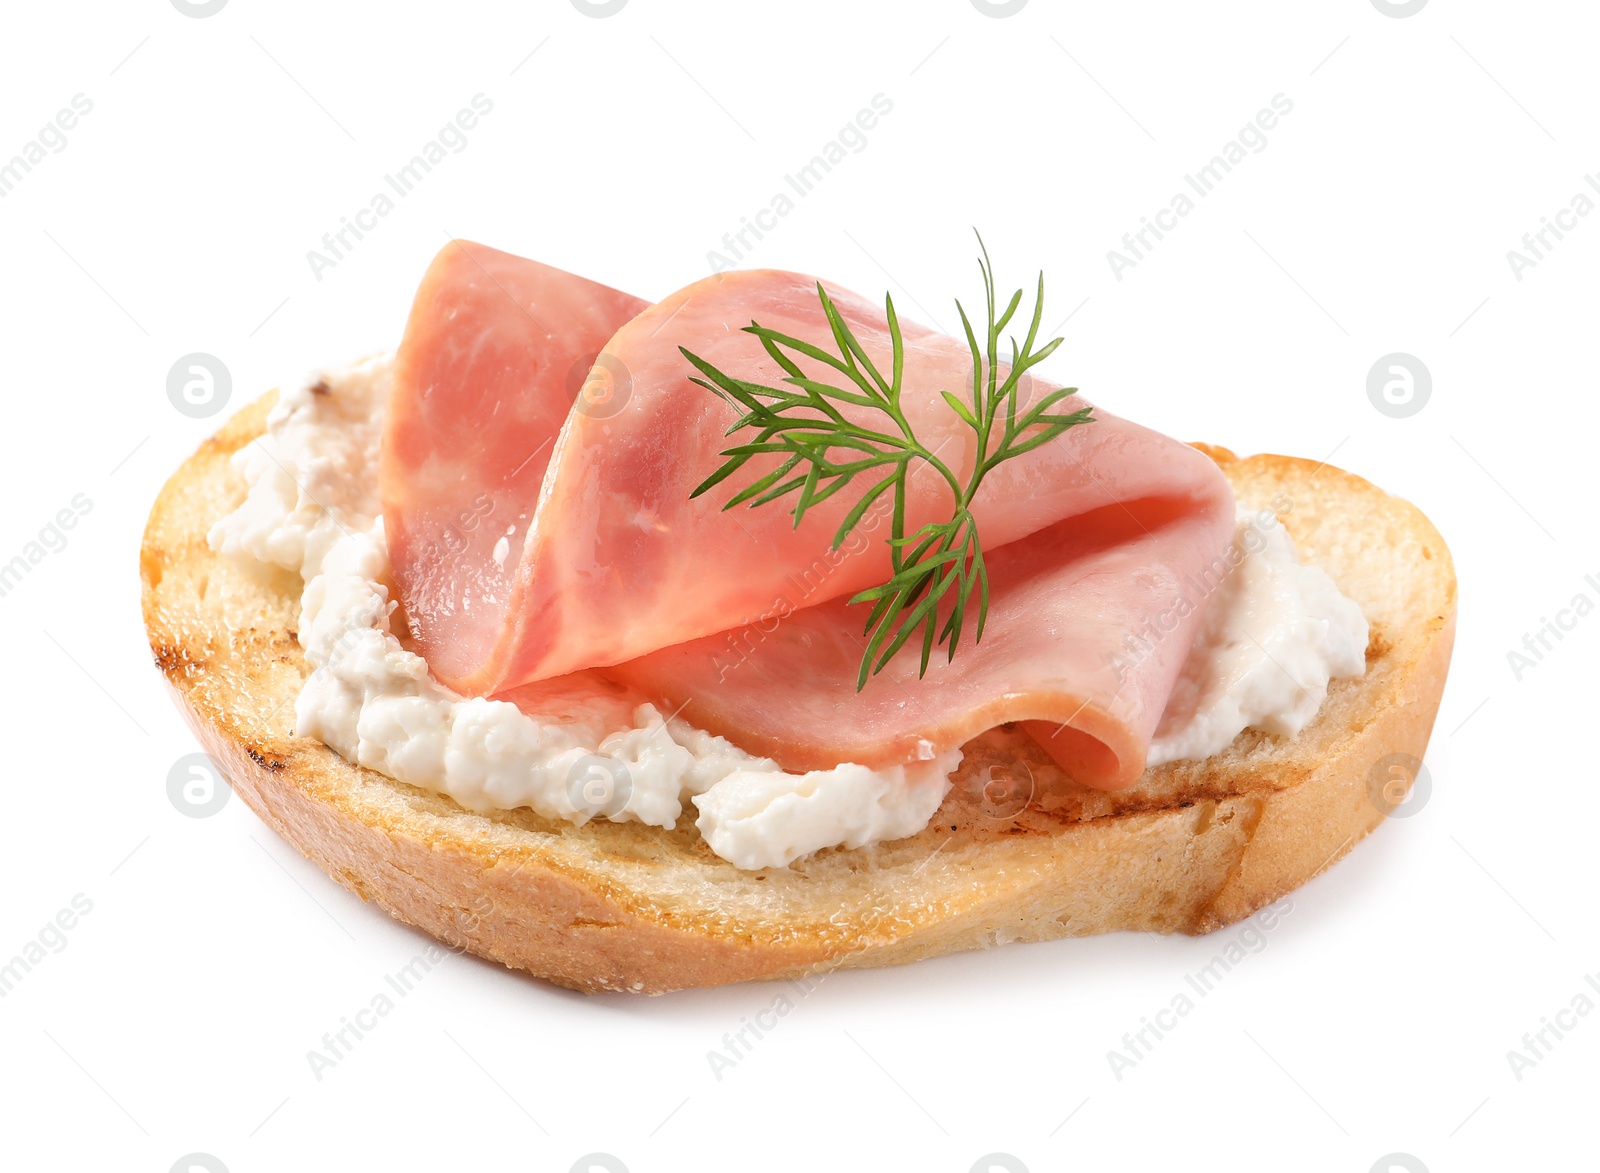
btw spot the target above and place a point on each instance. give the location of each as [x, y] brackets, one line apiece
[1192, 847]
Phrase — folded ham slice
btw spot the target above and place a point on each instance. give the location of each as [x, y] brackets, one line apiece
[1089, 624]
[1090, 539]
[494, 354]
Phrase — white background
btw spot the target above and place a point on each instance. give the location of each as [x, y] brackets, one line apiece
[177, 218]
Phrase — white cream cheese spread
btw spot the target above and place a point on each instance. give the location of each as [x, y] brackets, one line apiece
[1275, 632]
[312, 507]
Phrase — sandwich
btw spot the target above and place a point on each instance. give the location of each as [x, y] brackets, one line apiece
[757, 632]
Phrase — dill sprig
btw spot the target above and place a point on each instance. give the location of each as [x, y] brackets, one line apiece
[939, 570]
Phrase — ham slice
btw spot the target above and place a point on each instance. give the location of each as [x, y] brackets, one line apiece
[621, 562]
[1090, 539]
[1090, 621]
[495, 351]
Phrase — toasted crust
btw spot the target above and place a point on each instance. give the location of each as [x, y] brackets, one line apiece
[1193, 846]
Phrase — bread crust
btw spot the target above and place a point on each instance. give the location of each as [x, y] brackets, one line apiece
[1190, 848]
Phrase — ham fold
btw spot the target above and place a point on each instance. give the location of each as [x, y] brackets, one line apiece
[495, 353]
[1098, 543]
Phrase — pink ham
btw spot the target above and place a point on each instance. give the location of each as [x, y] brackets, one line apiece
[1089, 624]
[493, 354]
[621, 562]
[1089, 537]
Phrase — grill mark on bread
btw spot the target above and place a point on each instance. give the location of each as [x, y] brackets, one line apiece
[275, 764]
[170, 660]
